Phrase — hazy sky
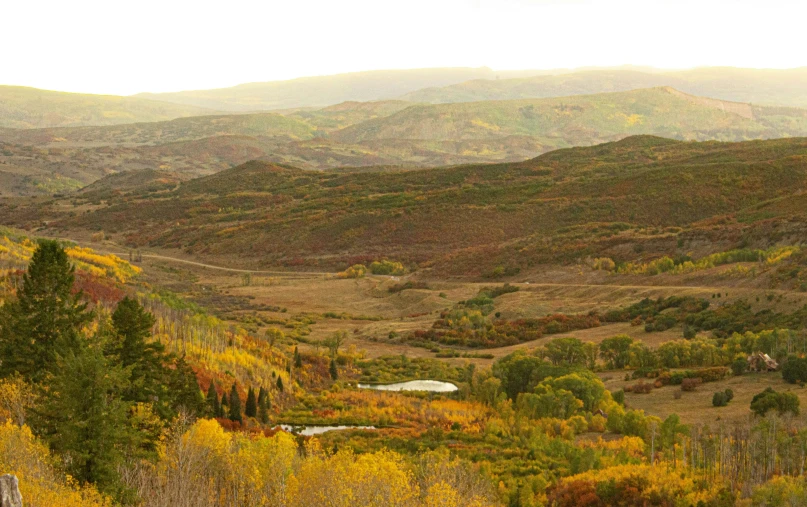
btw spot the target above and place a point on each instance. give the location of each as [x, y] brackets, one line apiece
[125, 46]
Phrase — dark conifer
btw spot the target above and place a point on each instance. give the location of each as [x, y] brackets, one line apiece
[235, 405]
[334, 371]
[45, 319]
[213, 407]
[184, 389]
[224, 410]
[251, 406]
[263, 406]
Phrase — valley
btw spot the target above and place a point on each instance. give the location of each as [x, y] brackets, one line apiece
[408, 288]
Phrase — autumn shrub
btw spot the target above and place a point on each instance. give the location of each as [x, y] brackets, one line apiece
[690, 384]
[634, 485]
[603, 264]
[355, 271]
[386, 267]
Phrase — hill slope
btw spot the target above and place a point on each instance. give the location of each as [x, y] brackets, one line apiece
[585, 119]
[323, 90]
[769, 87]
[382, 135]
[466, 220]
[22, 107]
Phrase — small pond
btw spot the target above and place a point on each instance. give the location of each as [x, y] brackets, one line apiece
[432, 386]
[309, 431]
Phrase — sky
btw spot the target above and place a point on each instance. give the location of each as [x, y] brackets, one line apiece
[125, 47]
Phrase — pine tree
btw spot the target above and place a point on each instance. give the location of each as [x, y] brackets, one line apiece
[251, 406]
[151, 379]
[45, 319]
[298, 360]
[184, 388]
[334, 371]
[279, 384]
[235, 405]
[84, 418]
[224, 411]
[213, 407]
[263, 406]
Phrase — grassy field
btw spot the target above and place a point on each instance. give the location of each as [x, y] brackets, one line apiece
[369, 313]
[696, 407]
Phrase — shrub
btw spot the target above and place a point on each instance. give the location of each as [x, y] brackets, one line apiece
[769, 399]
[739, 366]
[729, 395]
[642, 388]
[603, 263]
[690, 384]
[794, 370]
[386, 267]
[719, 399]
[355, 271]
[619, 396]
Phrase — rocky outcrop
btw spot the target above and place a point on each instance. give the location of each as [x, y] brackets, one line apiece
[10, 491]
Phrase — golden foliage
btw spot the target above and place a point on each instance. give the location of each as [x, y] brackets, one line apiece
[21, 454]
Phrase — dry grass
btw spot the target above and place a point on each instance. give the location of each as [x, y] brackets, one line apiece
[568, 290]
[696, 407]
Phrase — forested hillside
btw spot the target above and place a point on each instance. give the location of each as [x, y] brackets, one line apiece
[561, 206]
[386, 135]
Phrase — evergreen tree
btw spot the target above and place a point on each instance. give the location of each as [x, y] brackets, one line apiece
[235, 405]
[263, 406]
[184, 388]
[251, 406]
[85, 420]
[151, 380]
[45, 319]
[334, 371]
[213, 407]
[279, 384]
[224, 411]
[298, 360]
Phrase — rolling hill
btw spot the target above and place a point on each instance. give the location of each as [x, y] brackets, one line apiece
[664, 195]
[385, 135]
[765, 87]
[326, 90]
[22, 107]
[585, 119]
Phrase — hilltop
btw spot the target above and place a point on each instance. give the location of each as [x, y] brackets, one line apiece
[321, 91]
[585, 119]
[22, 107]
[383, 135]
[758, 86]
[558, 207]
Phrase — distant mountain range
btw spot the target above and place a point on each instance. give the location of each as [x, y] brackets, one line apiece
[31, 108]
[24, 108]
[384, 135]
[322, 91]
[764, 87]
